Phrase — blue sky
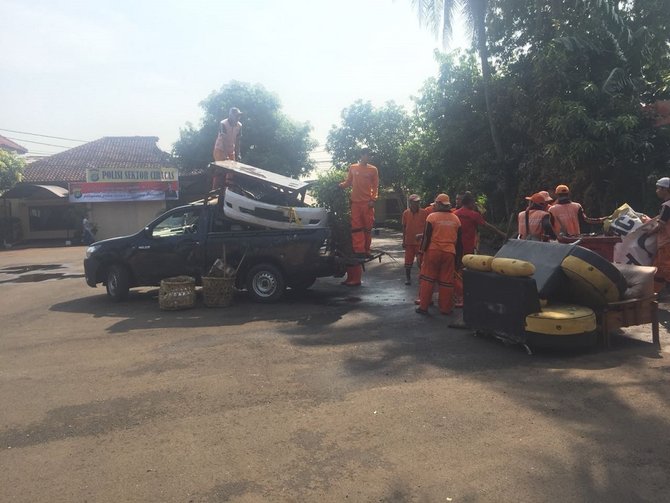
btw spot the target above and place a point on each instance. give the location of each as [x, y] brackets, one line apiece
[87, 69]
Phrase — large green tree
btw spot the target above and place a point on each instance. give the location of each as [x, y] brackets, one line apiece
[384, 129]
[11, 167]
[270, 139]
[439, 16]
[570, 81]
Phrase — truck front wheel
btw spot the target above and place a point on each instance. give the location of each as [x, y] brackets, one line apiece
[118, 283]
[265, 283]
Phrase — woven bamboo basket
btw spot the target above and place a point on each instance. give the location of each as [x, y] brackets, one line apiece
[218, 292]
[177, 293]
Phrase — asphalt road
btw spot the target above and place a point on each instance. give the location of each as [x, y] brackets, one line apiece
[334, 395]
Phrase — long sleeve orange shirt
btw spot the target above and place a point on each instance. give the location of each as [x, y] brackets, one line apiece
[364, 182]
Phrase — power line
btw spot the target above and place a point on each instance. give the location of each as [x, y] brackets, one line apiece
[37, 142]
[43, 135]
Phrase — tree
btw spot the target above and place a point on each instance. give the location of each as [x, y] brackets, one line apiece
[439, 16]
[383, 129]
[11, 167]
[270, 140]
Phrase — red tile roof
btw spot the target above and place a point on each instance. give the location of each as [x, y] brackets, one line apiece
[7, 144]
[113, 152]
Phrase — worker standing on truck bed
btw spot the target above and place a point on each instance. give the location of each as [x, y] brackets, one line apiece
[363, 178]
[227, 147]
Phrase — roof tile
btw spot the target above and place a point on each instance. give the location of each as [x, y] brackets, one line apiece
[110, 152]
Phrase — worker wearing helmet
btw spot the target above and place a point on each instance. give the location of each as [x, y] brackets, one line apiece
[443, 249]
[535, 222]
[568, 214]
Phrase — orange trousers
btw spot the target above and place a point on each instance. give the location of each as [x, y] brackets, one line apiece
[412, 253]
[362, 220]
[437, 266]
[221, 155]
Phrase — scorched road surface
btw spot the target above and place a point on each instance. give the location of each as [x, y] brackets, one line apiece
[331, 395]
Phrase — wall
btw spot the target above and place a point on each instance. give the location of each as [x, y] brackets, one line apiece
[121, 219]
[20, 208]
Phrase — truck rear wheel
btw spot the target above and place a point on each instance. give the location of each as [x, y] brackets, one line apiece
[265, 283]
[118, 283]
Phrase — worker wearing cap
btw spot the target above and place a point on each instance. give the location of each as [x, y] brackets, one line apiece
[568, 214]
[662, 230]
[227, 147]
[535, 222]
[413, 223]
[363, 178]
[443, 250]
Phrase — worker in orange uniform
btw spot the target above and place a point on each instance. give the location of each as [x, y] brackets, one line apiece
[471, 220]
[568, 214]
[227, 147]
[662, 230]
[413, 223]
[535, 222]
[443, 250]
[363, 178]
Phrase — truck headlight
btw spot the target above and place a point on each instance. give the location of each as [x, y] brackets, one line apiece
[91, 250]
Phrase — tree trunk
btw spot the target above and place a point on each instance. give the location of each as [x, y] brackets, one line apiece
[486, 79]
[480, 33]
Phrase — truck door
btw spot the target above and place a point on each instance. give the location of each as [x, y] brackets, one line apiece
[172, 246]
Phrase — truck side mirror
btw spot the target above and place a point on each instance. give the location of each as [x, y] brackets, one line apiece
[147, 232]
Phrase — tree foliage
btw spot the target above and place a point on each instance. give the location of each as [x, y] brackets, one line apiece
[567, 87]
[385, 130]
[11, 167]
[270, 139]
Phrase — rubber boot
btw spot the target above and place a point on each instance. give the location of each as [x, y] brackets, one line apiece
[354, 275]
[408, 275]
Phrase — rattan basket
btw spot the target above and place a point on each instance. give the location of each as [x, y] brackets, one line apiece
[218, 292]
[177, 293]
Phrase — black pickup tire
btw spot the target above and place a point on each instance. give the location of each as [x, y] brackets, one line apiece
[265, 283]
[118, 283]
[301, 284]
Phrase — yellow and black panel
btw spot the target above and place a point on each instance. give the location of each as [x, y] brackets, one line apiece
[512, 267]
[562, 319]
[562, 326]
[592, 280]
[477, 262]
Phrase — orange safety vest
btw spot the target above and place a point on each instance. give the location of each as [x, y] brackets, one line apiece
[566, 216]
[445, 227]
[535, 230]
